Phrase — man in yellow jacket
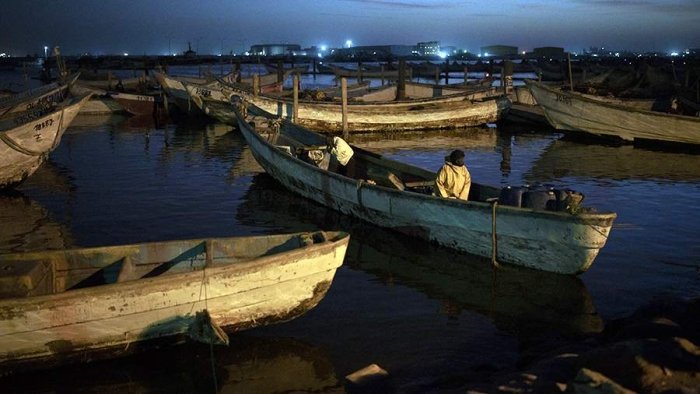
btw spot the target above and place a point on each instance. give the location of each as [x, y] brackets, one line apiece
[453, 180]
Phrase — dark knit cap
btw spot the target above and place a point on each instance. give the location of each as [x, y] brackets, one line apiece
[457, 157]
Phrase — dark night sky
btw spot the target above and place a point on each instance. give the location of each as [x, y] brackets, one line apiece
[151, 26]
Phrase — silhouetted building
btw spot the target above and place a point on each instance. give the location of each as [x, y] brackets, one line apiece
[551, 52]
[375, 50]
[275, 49]
[428, 48]
[499, 50]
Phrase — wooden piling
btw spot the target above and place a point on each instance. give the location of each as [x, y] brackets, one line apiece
[503, 80]
[344, 97]
[571, 77]
[381, 73]
[256, 84]
[447, 72]
[437, 75]
[359, 71]
[295, 115]
[280, 71]
[466, 74]
[314, 68]
[401, 85]
[507, 76]
[238, 71]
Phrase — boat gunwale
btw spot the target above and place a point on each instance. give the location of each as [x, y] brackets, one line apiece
[619, 107]
[337, 239]
[584, 217]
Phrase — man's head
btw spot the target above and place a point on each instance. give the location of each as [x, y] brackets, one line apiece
[329, 140]
[456, 157]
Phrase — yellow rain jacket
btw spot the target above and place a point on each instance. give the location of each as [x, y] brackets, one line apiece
[453, 181]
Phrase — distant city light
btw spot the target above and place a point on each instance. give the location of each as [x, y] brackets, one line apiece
[46, 51]
[442, 55]
[348, 43]
[3, 54]
[126, 54]
[674, 53]
[486, 54]
[523, 52]
[324, 48]
[320, 55]
[479, 55]
[617, 54]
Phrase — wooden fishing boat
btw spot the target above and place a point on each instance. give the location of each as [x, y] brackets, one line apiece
[341, 72]
[514, 298]
[135, 104]
[177, 93]
[449, 112]
[73, 305]
[43, 96]
[556, 241]
[26, 138]
[576, 112]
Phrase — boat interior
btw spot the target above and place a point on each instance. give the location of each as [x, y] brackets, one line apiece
[51, 272]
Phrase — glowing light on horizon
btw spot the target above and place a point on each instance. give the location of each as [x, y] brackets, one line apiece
[348, 43]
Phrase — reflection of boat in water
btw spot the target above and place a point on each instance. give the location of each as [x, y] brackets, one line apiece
[26, 225]
[471, 138]
[564, 158]
[247, 365]
[516, 299]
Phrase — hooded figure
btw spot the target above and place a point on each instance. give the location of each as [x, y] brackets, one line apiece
[453, 180]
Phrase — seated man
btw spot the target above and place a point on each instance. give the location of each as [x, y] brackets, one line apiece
[342, 156]
[453, 180]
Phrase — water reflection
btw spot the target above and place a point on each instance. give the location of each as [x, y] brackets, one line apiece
[519, 301]
[567, 158]
[26, 225]
[247, 365]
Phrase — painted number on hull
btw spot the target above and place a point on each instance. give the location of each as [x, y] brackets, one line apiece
[43, 125]
[204, 92]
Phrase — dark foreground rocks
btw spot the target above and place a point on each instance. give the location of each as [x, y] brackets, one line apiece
[652, 351]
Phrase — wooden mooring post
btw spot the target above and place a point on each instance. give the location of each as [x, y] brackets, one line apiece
[295, 115]
[359, 71]
[344, 98]
[256, 84]
[401, 85]
[280, 71]
[238, 71]
[571, 76]
[466, 74]
[381, 73]
[447, 72]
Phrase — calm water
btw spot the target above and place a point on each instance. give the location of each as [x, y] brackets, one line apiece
[432, 318]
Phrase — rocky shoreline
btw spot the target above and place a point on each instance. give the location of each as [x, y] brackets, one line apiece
[653, 351]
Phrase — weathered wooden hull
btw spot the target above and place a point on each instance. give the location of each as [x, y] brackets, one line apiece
[448, 112]
[567, 111]
[177, 94]
[43, 96]
[24, 148]
[247, 284]
[550, 241]
[136, 104]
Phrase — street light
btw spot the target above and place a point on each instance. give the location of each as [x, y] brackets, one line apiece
[46, 52]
